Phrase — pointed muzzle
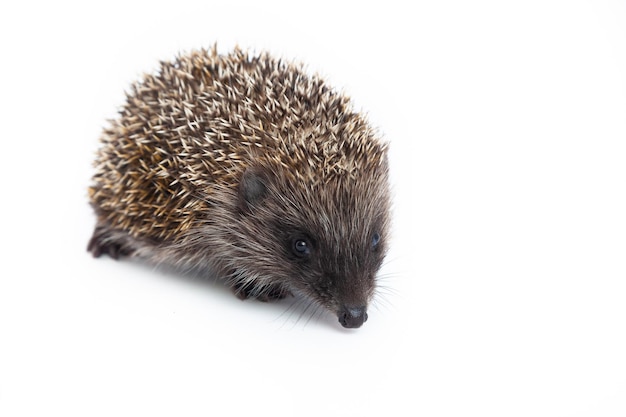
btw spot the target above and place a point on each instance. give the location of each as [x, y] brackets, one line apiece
[352, 317]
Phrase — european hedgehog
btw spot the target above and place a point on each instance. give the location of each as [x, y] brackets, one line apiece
[244, 166]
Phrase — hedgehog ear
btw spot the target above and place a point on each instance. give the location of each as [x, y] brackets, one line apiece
[252, 188]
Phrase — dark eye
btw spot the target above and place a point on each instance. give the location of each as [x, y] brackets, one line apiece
[375, 240]
[301, 247]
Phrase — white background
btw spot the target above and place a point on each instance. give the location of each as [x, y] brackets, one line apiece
[506, 283]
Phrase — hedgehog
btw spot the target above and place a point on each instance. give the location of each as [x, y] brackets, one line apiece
[246, 168]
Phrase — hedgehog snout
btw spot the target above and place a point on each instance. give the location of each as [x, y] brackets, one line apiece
[352, 317]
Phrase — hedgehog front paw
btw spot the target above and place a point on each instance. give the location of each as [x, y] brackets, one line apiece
[102, 243]
[274, 292]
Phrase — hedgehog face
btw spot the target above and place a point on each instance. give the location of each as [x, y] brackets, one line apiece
[327, 241]
[337, 270]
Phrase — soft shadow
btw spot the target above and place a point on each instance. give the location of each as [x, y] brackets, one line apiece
[290, 313]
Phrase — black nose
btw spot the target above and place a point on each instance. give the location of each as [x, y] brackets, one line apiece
[352, 317]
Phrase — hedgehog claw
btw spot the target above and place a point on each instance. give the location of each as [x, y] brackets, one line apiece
[271, 293]
[101, 243]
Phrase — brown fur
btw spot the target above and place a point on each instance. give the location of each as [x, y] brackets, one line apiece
[223, 162]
